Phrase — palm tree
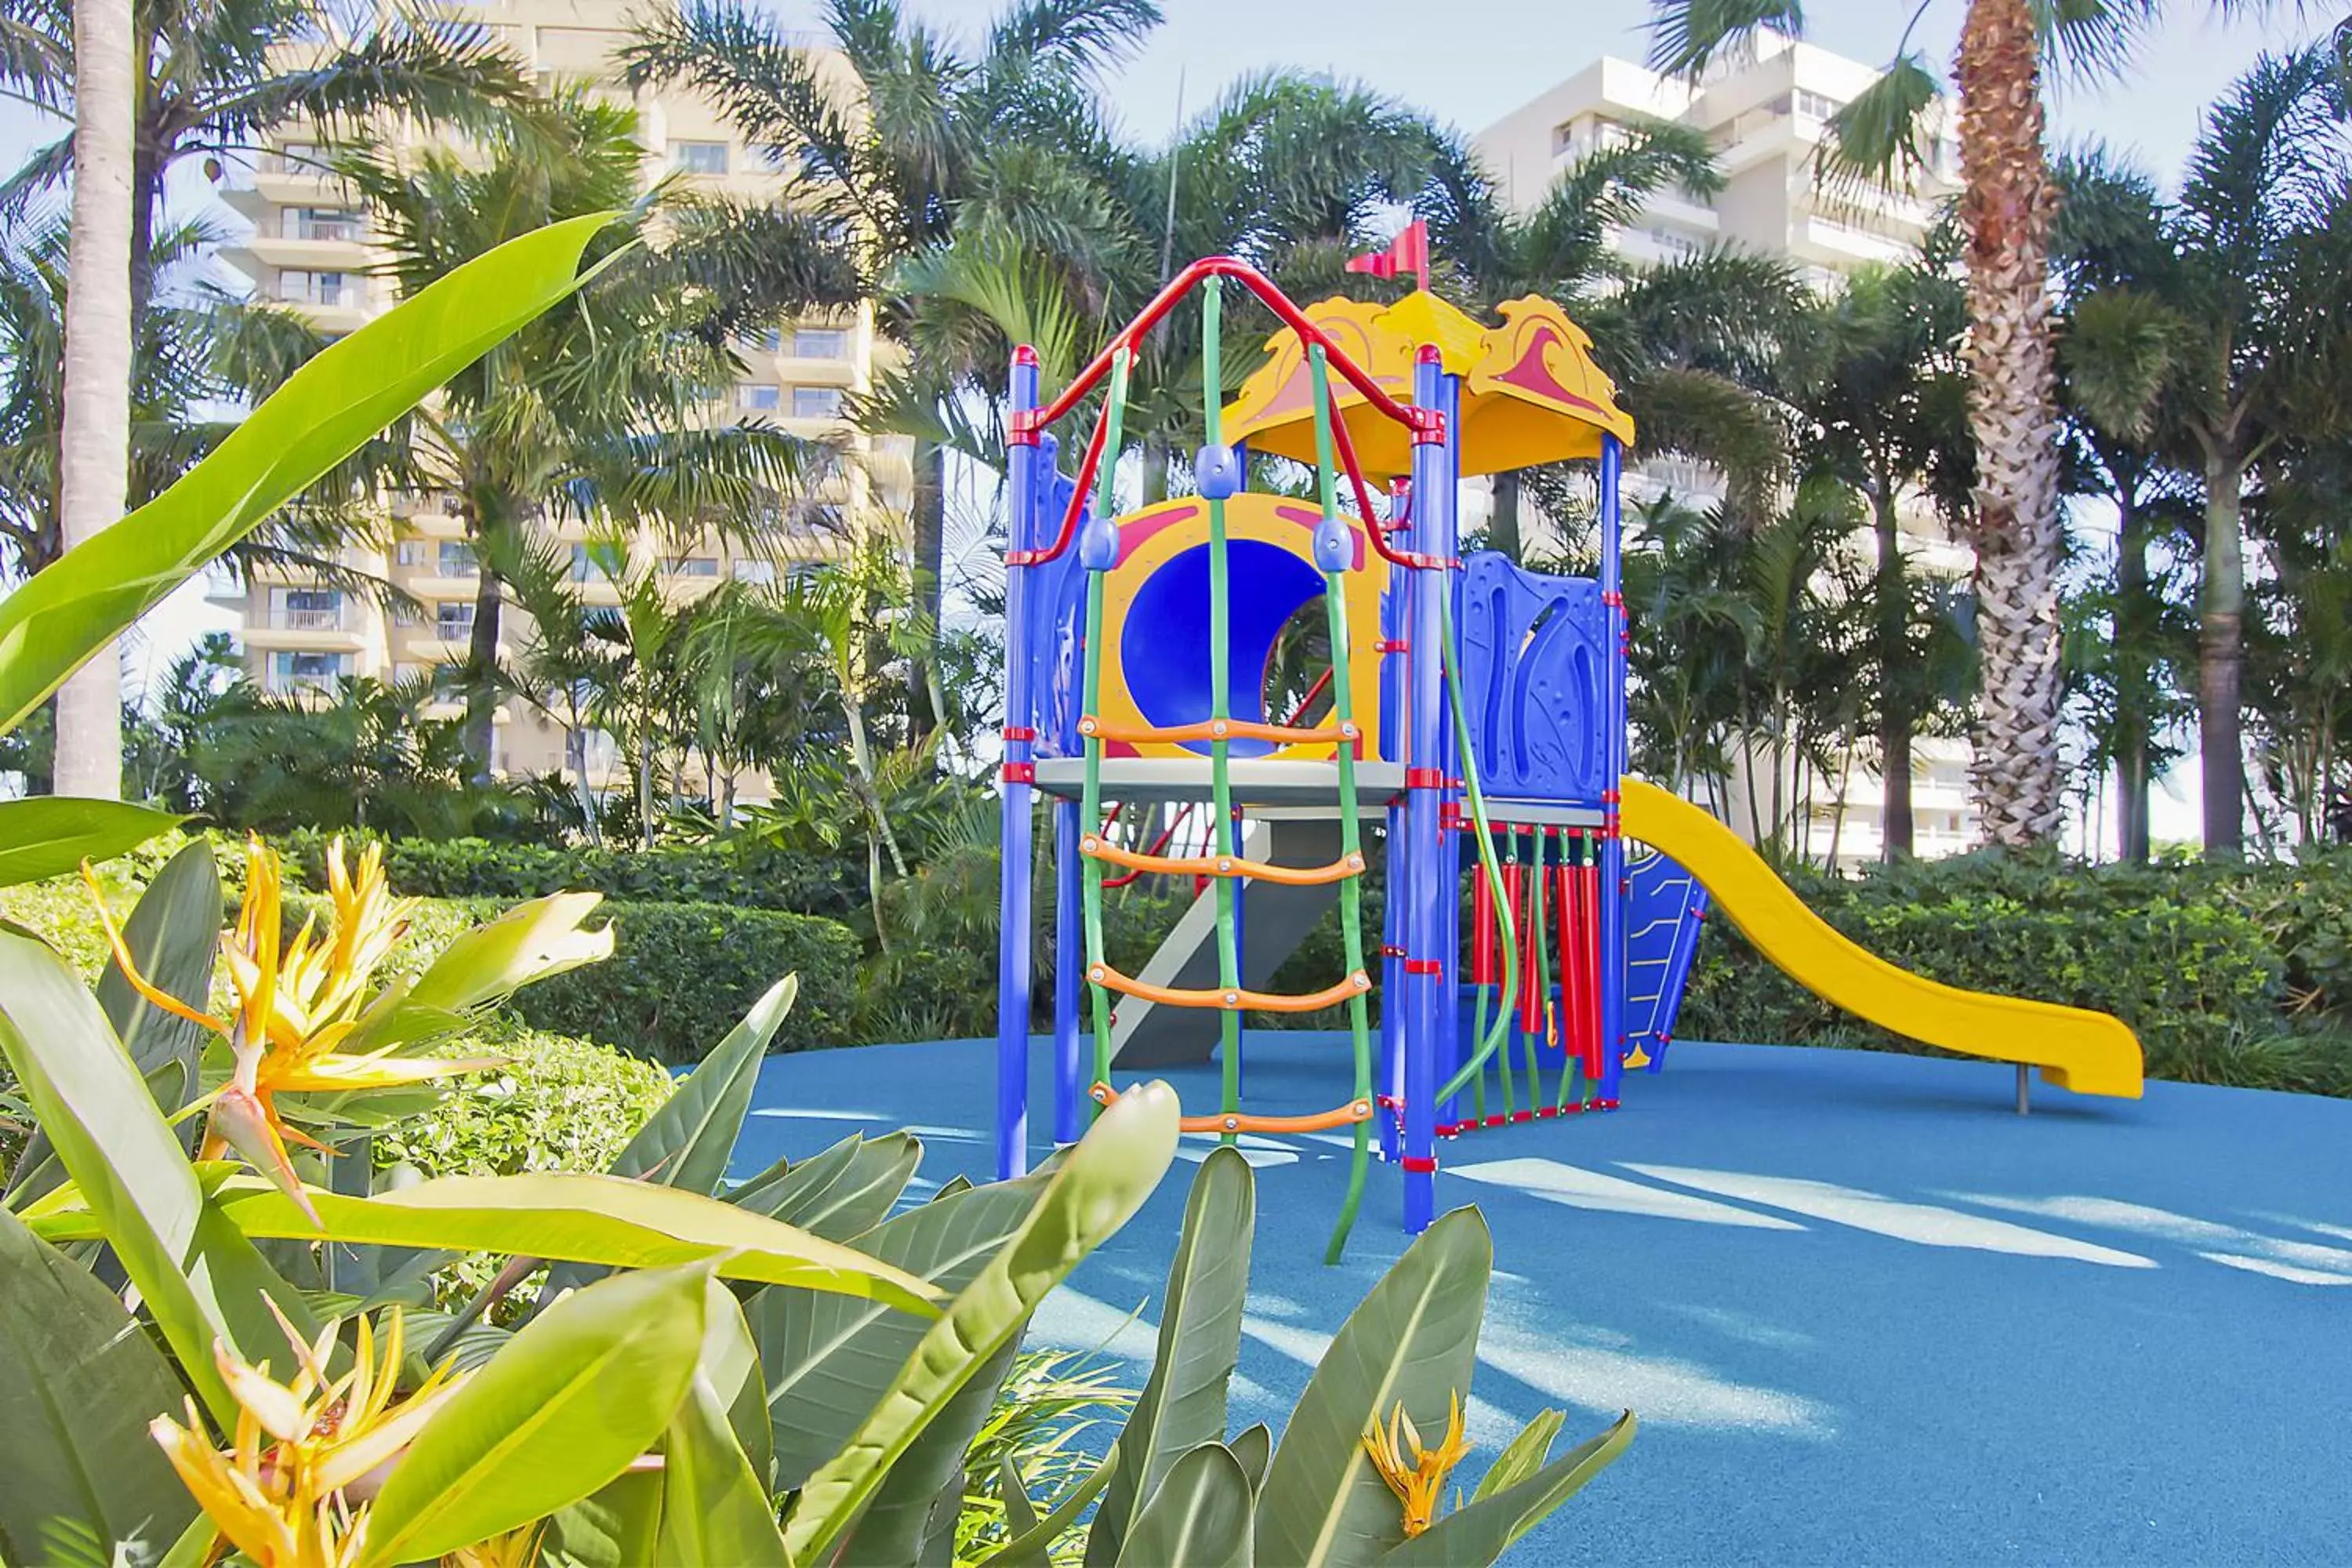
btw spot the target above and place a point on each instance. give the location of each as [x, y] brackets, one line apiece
[2204, 332]
[1873, 372]
[893, 156]
[95, 425]
[147, 87]
[2006, 203]
[600, 408]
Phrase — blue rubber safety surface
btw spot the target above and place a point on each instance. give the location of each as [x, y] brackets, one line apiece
[1865, 1312]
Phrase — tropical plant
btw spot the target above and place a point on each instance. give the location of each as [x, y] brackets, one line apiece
[2006, 203]
[66, 614]
[891, 154]
[148, 87]
[601, 410]
[1873, 373]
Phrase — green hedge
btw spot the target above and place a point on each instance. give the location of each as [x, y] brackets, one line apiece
[707, 874]
[558, 1104]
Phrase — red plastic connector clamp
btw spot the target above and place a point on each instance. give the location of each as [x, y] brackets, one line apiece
[1020, 773]
[1413, 1162]
[1423, 778]
[1021, 429]
[1019, 732]
[1392, 645]
[1421, 967]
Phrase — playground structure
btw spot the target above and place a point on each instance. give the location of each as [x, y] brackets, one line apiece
[1477, 709]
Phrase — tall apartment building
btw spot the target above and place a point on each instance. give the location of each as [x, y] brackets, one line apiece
[1766, 111]
[310, 249]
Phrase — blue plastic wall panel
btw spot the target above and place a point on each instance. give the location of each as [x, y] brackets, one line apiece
[1057, 618]
[1666, 908]
[1532, 662]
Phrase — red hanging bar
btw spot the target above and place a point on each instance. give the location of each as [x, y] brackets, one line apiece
[1571, 972]
[1531, 997]
[1482, 956]
[1589, 955]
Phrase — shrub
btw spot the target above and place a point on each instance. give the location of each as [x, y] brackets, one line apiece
[682, 975]
[558, 1104]
[713, 874]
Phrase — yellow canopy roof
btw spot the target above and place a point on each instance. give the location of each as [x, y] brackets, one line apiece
[1530, 391]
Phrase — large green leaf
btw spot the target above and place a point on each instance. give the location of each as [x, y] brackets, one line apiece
[1411, 1341]
[199, 1278]
[714, 1508]
[685, 1141]
[846, 1191]
[173, 936]
[47, 836]
[923, 1489]
[1484, 1530]
[829, 1359]
[79, 1383]
[323, 413]
[1182, 1404]
[489, 964]
[1032, 1543]
[613, 1527]
[1095, 1190]
[1253, 1447]
[581, 1218]
[564, 1408]
[1199, 1517]
[1523, 1456]
[729, 1369]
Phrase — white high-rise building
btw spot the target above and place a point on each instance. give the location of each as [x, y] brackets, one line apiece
[1766, 111]
[310, 249]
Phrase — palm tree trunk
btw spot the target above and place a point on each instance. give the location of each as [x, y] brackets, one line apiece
[930, 525]
[1503, 527]
[480, 731]
[2005, 209]
[2220, 657]
[96, 433]
[1895, 826]
[2135, 616]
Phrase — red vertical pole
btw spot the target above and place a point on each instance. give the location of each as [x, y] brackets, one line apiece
[1588, 956]
[1571, 968]
[1483, 957]
[1514, 875]
[1531, 998]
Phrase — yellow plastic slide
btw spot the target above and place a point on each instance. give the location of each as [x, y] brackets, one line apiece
[2091, 1053]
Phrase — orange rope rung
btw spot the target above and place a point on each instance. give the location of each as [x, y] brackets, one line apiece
[1235, 1001]
[1347, 1115]
[1095, 848]
[1220, 729]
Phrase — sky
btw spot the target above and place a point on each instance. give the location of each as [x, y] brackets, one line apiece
[1484, 59]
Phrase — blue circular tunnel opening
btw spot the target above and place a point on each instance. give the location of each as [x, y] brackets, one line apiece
[1164, 646]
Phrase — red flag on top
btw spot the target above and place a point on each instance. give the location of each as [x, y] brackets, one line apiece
[1408, 252]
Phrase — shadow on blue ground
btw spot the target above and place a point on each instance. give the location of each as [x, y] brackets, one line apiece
[1865, 1313]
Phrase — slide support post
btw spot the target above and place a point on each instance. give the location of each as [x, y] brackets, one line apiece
[1069, 963]
[1612, 842]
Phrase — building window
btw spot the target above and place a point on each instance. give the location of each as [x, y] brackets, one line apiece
[758, 396]
[819, 342]
[754, 569]
[592, 563]
[1816, 105]
[290, 670]
[311, 609]
[455, 559]
[302, 158]
[814, 519]
[767, 340]
[299, 286]
[453, 620]
[817, 403]
[698, 157]
[694, 565]
[320, 223]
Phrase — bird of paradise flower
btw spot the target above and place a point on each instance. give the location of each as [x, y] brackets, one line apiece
[296, 1006]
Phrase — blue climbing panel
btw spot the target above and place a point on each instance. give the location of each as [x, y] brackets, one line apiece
[1532, 661]
[1665, 908]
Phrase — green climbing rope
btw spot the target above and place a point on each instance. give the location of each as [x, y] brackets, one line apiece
[1090, 807]
[1351, 892]
[1221, 786]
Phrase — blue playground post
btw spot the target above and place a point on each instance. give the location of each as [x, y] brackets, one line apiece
[1069, 962]
[1445, 864]
[1612, 729]
[1432, 504]
[1020, 773]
